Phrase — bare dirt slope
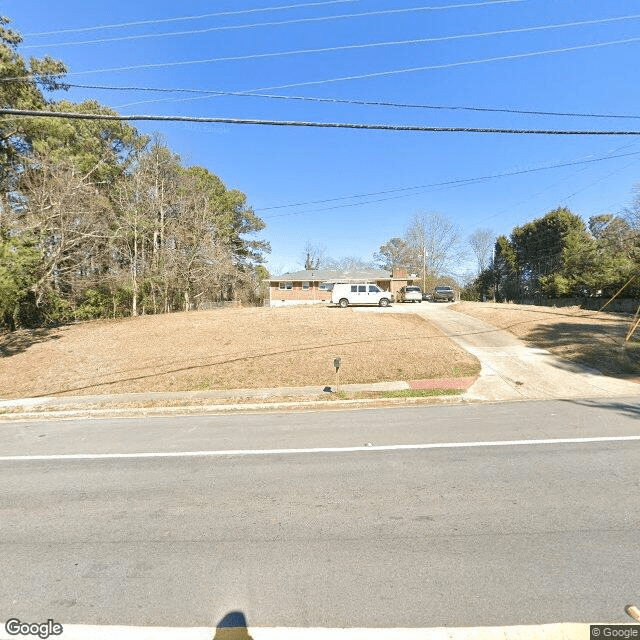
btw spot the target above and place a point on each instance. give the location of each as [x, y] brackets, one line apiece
[592, 338]
[227, 349]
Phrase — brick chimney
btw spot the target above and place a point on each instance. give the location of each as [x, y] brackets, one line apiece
[399, 272]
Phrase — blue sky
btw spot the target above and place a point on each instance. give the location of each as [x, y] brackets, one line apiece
[277, 167]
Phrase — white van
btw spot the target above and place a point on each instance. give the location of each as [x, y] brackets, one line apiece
[365, 293]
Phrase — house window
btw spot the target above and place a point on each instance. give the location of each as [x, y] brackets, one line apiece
[305, 286]
[286, 285]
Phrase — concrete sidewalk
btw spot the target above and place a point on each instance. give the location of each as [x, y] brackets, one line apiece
[512, 370]
[192, 396]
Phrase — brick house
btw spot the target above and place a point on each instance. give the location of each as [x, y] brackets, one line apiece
[312, 287]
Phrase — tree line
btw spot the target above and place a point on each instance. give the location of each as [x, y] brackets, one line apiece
[432, 247]
[559, 255]
[556, 255]
[98, 220]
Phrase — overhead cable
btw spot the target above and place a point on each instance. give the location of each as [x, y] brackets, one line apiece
[378, 74]
[357, 46]
[301, 123]
[535, 195]
[254, 25]
[450, 65]
[450, 184]
[376, 103]
[184, 18]
[369, 45]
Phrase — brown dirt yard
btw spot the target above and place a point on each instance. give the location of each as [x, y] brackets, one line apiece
[592, 338]
[228, 348]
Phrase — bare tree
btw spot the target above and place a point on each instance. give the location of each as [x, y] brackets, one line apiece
[65, 214]
[394, 253]
[313, 257]
[203, 258]
[158, 237]
[131, 230]
[435, 245]
[177, 235]
[148, 201]
[349, 263]
[481, 242]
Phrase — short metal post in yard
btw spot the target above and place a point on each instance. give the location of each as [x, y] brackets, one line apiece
[336, 364]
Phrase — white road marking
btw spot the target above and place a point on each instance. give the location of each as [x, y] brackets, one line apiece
[270, 452]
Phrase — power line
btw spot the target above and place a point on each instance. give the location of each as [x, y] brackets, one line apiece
[275, 23]
[300, 123]
[615, 206]
[253, 92]
[391, 72]
[600, 179]
[184, 18]
[445, 185]
[555, 184]
[391, 43]
[535, 195]
[454, 64]
[377, 103]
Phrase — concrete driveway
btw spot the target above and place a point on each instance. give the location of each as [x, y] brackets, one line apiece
[512, 370]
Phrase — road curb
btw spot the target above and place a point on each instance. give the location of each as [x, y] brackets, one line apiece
[213, 409]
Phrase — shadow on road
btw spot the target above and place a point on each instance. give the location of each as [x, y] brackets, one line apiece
[625, 408]
[232, 627]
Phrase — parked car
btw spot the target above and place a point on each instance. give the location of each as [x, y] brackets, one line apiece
[364, 293]
[409, 293]
[427, 297]
[445, 294]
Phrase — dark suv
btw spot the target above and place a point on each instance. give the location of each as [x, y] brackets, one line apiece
[445, 294]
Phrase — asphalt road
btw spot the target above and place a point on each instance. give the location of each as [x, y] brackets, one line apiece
[463, 534]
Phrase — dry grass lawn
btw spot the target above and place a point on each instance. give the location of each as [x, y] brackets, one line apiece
[593, 338]
[227, 349]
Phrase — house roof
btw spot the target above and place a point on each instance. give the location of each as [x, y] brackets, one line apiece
[332, 275]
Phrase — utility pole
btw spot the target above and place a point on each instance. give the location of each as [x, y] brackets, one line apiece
[495, 275]
[424, 267]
